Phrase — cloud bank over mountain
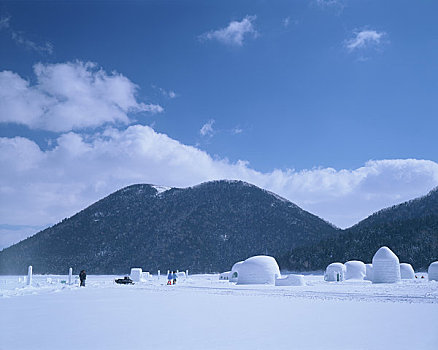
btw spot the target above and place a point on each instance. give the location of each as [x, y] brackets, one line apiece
[99, 147]
[41, 187]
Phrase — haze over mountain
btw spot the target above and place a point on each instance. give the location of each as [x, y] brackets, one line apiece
[205, 228]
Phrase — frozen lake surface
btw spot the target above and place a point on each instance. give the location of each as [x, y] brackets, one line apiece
[202, 312]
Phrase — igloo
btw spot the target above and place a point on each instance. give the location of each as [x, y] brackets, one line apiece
[355, 270]
[335, 272]
[386, 266]
[406, 271]
[369, 272]
[290, 280]
[235, 272]
[258, 270]
[432, 272]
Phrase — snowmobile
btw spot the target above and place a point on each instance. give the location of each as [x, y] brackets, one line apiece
[124, 280]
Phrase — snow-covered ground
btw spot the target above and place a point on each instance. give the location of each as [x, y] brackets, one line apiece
[202, 312]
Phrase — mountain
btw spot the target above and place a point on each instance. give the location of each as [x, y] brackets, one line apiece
[206, 228]
[410, 229]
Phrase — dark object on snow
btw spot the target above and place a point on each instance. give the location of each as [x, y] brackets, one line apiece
[82, 277]
[125, 280]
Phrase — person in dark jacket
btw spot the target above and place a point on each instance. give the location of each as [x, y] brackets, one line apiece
[174, 277]
[83, 277]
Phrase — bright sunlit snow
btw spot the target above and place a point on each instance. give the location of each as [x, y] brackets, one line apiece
[203, 312]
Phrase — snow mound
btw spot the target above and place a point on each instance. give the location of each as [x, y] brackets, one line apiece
[355, 270]
[369, 272]
[406, 271]
[225, 275]
[235, 272]
[260, 269]
[136, 274]
[181, 274]
[335, 272]
[290, 280]
[386, 266]
[432, 272]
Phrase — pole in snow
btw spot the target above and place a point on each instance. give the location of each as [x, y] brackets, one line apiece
[187, 273]
[70, 275]
[159, 273]
[29, 275]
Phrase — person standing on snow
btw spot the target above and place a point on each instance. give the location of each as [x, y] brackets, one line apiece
[82, 277]
[174, 277]
[169, 278]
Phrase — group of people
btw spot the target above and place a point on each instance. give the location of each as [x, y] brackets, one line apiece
[171, 277]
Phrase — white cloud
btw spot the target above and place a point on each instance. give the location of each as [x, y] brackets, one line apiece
[41, 187]
[329, 3]
[207, 128]
[5, 22]
[20, 38]
[69, 96]
[236, 130]
[164, 92]
[286, 22]
[364, 39]
[234, 33]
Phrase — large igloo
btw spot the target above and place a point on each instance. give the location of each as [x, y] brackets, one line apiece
[234, 274]
[432, 272]
[335, 272]
[355, 270]
[406, 271]
[386, 266]
[258, 270]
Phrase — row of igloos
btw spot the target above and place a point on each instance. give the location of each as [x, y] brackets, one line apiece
[385, 268]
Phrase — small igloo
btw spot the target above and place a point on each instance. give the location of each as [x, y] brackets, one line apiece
[406, 271]
[432, 272]
[355, 270]
[335, 272]
[369, 272]
[234, 274]
[260, 269]
[386, 266]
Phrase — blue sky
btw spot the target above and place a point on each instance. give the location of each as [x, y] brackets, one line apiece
[295, 96]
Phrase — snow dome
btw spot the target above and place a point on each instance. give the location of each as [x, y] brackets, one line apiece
[234, 272]
[258, 270]
[369, 272]
[335, 272]
[432, 272]
[406, 271]
[355, 270]
[386, 267]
